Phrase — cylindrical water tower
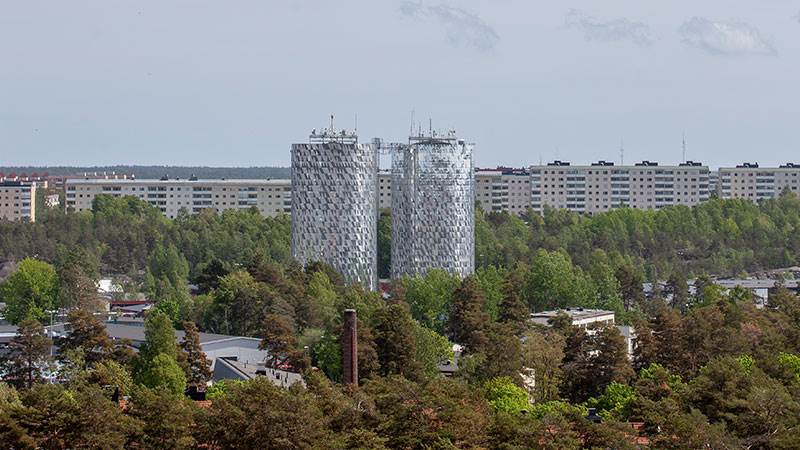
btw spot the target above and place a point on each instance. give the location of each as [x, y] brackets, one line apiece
[433, 210]
[334, 204]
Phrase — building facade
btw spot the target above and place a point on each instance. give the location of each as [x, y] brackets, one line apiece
[270, 197]
[18, 200]
[754, 183]
[503, 189]
[385, 190]
[602, 186]
[334, 205]
[433, 212]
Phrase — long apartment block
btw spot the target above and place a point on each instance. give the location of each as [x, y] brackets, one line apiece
[503, 189]
[270, 197]
[18, 200]
[755, 183]
[603, 186]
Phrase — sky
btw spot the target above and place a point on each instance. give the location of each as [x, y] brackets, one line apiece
[234, 83]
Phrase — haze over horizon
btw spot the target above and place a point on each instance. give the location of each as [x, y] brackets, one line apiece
[209, 83]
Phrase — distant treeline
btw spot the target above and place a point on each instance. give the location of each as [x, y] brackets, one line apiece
[146, 172]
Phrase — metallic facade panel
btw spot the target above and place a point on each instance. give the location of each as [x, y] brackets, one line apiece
[433, 209]
[334, 208]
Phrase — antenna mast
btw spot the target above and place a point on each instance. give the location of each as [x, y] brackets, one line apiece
[684, 147]
[622, 152]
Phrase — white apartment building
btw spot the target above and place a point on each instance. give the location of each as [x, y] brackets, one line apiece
[270, 197]
[500, 189]
[503, 189]
[602, 186]
[384, 190]
[755, 183]
[18, 200]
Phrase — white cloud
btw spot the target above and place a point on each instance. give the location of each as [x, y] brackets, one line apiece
[461, 26]
[724, 38]
[617, 30]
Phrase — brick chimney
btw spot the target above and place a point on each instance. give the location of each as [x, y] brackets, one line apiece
[350, 348]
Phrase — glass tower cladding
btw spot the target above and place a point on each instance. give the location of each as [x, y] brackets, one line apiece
[334, 205]
[433, 217]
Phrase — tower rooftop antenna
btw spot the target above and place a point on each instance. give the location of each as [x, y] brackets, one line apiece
[622, 152]
[684, 146]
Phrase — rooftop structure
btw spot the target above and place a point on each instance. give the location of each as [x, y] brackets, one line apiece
[227, 368]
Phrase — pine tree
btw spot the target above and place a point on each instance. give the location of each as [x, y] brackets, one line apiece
[198, 366]
[279, 340]
[87, 333]
[395, 341]
[468, 319]
[677, 286]
[610, 358]
[630, 285]
[668, 340]
[76, 289]
[513, 310]
[28, 354]
[646, 351]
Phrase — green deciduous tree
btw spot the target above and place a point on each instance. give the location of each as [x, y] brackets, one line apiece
[504, 395]
[553, 282]
[164, 372]
[430, 296]
[30, 292]
[432, 348]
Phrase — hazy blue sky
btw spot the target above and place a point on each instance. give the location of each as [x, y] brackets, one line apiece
[235, 82]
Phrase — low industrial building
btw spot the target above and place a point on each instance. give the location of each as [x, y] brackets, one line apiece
[589, 320]
[581, 317]
[232, 357]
